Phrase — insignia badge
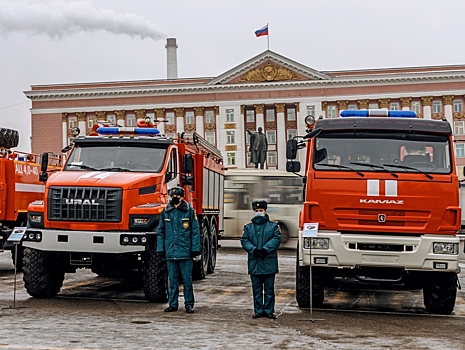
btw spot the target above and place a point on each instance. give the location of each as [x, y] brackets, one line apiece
[185, 224]
[381, 217]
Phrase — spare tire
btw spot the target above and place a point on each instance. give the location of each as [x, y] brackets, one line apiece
[8, 138]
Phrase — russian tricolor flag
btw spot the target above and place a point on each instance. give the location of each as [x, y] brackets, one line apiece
[262, 31]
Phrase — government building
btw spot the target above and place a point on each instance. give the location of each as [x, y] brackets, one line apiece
[269, 91]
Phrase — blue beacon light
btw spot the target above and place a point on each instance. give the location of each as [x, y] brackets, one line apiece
[378, 113]
[127, 130]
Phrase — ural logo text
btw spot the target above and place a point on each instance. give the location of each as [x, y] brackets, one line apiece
[82, 201]
[381, 201]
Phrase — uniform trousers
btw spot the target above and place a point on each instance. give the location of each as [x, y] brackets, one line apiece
[177, 269]
[263, 293]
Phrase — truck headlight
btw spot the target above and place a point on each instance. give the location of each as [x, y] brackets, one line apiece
[140, 221]
[36, 218]
[445, 248]
[316, 243]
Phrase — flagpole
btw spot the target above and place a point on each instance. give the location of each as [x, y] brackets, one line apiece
[268, 36]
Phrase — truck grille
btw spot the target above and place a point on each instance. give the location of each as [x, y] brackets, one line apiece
[85, 204]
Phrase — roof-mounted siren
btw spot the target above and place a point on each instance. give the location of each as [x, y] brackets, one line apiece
[377, 113]
[128, 130]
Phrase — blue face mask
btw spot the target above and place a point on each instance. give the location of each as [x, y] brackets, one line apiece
[259, 214]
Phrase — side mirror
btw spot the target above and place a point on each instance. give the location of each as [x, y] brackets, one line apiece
[188, 164]
[313, 133]
[291, 149]
[44, 162]
[293, 166]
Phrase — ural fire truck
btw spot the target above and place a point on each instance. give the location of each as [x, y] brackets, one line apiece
[102, 210]
[19, 186]
[381, 191]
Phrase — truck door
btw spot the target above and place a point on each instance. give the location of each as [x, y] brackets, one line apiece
[172, 173]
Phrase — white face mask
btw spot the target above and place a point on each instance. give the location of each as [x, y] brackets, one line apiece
[259, 214]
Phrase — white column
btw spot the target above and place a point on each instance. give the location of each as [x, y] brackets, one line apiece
[64, 130]
[448, 112]
[281, 139]
[427, 112]
[199, 125]
[179, 119]
[220, 134]
[240, 138]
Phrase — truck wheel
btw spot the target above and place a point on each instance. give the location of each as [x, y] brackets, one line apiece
[439, 293]
[42, 273]
[201, 267]
[303, 285]
[155, 277]
[213, 245]
[8, 138]
[284, 233]
[19, 261]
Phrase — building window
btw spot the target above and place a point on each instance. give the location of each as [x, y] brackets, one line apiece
[210, 137]
[372, 106]
[170, 118]
[291, 133]
[270, 115]
[131, 119]
[459, 150]
[415, 107]
[231, 158]
[458, 106]
[190, 119]
[394, 106]
[311, 110]
[230, 137]
[91, 121]
[437, 107]
[271, 158]
[271, 136]
[291, 115]
[111, 119]
[72, 122]
[250, 116]
[459, 128]
[352, 107]
[230, 116]
[209, 117]
[331, 112]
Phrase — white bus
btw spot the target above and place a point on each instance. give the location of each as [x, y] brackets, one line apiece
[282, 190]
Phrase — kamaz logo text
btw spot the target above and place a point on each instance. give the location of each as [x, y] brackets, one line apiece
[82, 201]
[381, 201]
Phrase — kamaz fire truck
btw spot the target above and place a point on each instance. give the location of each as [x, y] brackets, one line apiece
[19, 186]
[381, 188]
[102, 210]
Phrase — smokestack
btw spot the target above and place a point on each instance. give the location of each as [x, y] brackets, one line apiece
[171, 58]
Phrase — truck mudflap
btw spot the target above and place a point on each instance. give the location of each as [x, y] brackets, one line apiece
[86, 241]
[415, 253]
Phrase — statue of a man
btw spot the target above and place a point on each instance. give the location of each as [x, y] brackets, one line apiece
[258, 147]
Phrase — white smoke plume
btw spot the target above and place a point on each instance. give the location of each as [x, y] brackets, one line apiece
[58, 18]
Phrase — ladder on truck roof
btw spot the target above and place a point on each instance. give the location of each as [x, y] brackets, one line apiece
[200, 142]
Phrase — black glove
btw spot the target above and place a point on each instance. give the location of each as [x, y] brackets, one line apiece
[194, 254]
[256, 252]
[263, 252]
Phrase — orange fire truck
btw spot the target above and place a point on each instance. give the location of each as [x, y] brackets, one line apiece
[19, 186]
[381, 205]
[102, 210]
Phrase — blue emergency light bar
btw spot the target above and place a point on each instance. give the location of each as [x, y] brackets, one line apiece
[378, 113]
[127, 130]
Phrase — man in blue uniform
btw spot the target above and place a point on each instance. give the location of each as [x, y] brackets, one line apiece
[261, 239]
[178, 240]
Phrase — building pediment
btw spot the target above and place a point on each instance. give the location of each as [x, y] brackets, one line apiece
[268, 67]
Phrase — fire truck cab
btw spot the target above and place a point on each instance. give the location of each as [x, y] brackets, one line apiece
[102, 210]
[383, 190]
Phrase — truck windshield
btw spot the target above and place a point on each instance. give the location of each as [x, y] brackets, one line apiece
[116, 158]
[371, 151]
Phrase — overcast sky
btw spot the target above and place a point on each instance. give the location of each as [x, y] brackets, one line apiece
[58, 41]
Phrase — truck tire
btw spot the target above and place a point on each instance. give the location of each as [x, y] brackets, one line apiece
[155, 277]
[439, 293]
[213, 245]
[43, 274]
[8, 138]
[302, 290]
[284, 233]
[199, 271]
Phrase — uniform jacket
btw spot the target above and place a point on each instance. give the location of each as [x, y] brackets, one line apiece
[178, 232]
[261, 235]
